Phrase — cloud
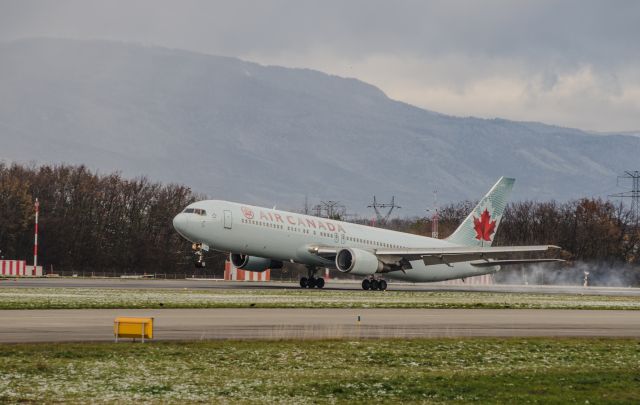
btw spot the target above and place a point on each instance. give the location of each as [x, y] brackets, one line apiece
[571, 63]
[580, 96]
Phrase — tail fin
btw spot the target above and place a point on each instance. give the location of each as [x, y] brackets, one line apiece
[479, 228]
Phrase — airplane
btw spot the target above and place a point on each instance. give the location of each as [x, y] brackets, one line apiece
[258, 239]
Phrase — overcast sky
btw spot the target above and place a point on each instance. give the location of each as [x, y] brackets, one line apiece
[571, 63]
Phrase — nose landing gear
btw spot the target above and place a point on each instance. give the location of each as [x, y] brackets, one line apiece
[311, 281]
[198, 252]
[373, 284]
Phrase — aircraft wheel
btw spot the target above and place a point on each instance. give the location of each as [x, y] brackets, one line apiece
[366, 284]
[383, 285]
[375, 285]
[312, 282]
[320, 282]
[303, 282]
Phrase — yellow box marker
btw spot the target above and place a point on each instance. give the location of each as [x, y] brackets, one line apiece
[134, 328]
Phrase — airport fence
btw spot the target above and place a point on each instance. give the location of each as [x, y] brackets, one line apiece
[213, 275]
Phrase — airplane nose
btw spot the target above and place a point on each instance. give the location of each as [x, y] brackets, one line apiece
[180, 223]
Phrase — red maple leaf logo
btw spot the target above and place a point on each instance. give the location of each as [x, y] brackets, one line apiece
[484, 226]
[248, 213]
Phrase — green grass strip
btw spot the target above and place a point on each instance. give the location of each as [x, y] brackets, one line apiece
[390, 371]
[82, 298]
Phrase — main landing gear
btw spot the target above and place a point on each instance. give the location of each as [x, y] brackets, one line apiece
[373, 284]
[311, 281]
[198, 253]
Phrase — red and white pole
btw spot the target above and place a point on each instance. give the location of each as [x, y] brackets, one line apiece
[35, 240]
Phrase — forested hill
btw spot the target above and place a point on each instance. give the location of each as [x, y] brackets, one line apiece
[271, 135]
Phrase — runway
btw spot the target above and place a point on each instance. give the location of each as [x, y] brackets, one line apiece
[254, 323]
[206, 284]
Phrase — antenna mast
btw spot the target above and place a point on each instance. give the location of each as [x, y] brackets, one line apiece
[434, 218]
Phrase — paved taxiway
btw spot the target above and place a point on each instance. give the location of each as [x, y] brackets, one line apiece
[259, 323]
[331, 285]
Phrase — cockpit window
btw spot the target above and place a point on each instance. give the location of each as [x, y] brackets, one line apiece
[197, 211]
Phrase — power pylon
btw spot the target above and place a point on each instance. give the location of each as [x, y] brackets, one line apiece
[330, 209]
[377, 206]
[634, 193]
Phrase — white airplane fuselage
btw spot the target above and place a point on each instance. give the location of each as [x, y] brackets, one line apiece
[286, 236]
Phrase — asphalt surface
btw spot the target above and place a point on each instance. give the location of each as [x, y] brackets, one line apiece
[259, 323]
[331, 285]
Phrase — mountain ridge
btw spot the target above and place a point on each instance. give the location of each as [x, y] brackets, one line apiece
[270, 135]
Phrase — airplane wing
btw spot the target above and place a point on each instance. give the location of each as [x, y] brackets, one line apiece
[490, 263]
[485, 256]
[459, 254]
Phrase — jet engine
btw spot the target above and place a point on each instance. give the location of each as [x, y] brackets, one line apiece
[253, 263]
[358, 262]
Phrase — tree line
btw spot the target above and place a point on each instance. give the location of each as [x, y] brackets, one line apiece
[598, 238]
[105, 222]
[92, 221]
[587, 229]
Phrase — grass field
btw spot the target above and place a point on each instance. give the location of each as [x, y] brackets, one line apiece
[431, 371]
[77, 298]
